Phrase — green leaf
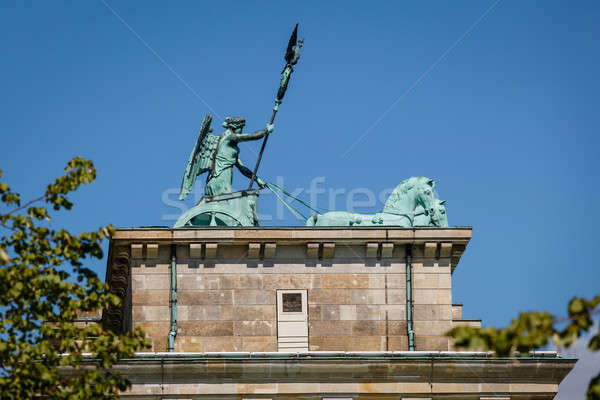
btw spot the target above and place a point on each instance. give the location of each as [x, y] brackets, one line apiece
[47, 280]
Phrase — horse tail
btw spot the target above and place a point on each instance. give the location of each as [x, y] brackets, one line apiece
[312, 220]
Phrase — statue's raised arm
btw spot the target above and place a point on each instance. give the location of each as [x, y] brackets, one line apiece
[245, 137]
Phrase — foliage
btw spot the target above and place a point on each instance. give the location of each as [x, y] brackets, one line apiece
[534, 330]
[44, 286]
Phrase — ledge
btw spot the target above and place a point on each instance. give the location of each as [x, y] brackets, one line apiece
[297, 234]
[348, 355]
[326, 366]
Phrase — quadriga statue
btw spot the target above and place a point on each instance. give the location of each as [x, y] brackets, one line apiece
[412, 203]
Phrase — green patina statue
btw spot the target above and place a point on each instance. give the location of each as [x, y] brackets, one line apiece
[217, 155]
[412, 203]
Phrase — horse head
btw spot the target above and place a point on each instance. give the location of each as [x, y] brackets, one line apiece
[441, 209]
[411, 193]
[425, 197]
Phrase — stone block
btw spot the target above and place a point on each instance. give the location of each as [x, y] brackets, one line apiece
[270, 250]
[226, 281]
[205, 297]
[351, 343]
[253, 251]
[398, 343]
[151, 313]
[431, 343]
[203, 312]
[387, 249]
[314, 312]
[444, 281]
[205, 328]
[156, 282]
[328, 296]
[369, 312]
[330, 312]
[430, 249]
[254, 313]
[432, 312]
[185, 344]
[426, 281]
[397, 328]
[330, 328]
[432, 328]
[249, 281]
[367, 296]
[137, 250]
[396, 311]
[226, 312]
[377, 281]
[196, 250]
[159, 343]
[221, 344]
[457, 311]
[445, 250]
[259, 343]
[137, 281]
[312, 250]
[347, 312]
[150, 297]
[371, 250]
[211, 250]
[190, 282]
[368, 328]
[432, 296]
[289, 281]
[328, 250]
[343, 281]
[249, 297]
[254, 328]
[154, 329]
[396, 281]
[152, 250]
[396, 296]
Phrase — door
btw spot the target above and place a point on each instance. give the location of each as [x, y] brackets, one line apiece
[292, 320]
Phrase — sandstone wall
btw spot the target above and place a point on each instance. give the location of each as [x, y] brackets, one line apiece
[227, 300]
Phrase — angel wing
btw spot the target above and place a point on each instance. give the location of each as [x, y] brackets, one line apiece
[200, 159]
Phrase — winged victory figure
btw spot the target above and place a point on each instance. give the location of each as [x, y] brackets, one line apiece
[217, 155]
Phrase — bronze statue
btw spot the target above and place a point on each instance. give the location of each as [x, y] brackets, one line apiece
[217, 155]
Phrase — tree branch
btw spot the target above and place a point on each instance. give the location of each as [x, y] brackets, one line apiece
[26, 204]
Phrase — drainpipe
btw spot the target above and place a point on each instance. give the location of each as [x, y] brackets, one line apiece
[409, 300]
[173, 330]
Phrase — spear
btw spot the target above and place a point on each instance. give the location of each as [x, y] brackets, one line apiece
[292, 55]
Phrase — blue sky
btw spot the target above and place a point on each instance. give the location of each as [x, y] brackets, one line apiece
[495, 100]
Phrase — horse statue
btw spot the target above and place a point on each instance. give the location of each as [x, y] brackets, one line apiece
[421, 219]
[399, 210]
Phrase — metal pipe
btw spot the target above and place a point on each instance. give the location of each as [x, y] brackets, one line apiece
[409, 300]
[173, 303]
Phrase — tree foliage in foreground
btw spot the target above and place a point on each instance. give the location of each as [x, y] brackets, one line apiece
[534, 330]
[43, 286]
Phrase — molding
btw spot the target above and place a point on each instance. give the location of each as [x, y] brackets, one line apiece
[455, 375]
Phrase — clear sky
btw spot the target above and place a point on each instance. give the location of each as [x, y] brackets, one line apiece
[498, 101]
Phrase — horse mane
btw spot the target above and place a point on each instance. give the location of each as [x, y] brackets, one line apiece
[401, 190]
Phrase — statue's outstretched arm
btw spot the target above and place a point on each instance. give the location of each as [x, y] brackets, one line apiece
[245, 137]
